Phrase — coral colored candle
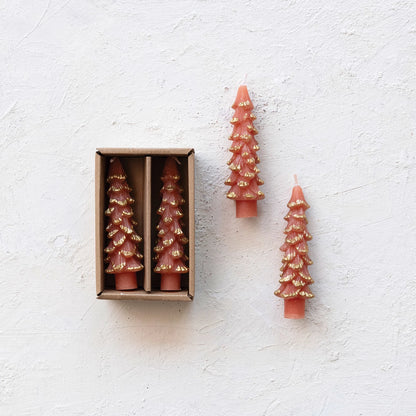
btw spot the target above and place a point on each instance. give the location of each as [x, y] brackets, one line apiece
[122, 254]
[244, 180]
[295, 277]
[170, 254]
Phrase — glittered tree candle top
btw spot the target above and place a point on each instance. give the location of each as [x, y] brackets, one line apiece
[295, 277]
[244, 180]
[122, 254]
[170, 253]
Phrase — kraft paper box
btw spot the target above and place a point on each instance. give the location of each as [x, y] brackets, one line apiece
[144, 169]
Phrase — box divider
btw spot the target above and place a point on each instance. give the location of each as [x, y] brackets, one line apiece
[147, 235]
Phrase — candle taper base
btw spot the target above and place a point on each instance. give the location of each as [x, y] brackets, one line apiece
[295, 308]
[170, 282]
[245, 209]
[126, 281]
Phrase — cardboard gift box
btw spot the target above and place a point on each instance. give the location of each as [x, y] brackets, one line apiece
[143, 168]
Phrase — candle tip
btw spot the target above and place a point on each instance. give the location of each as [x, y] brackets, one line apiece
[296, 179]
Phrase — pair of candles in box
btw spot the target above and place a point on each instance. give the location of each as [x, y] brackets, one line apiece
[123, 256]
[244, 182]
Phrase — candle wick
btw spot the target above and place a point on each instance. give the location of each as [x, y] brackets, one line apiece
[245, 79]
[296, 179]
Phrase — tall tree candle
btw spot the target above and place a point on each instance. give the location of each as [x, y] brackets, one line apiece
[244, 180]
[122, 254]
[170, 253]
[295, 277]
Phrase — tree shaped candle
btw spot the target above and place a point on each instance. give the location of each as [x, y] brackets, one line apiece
[295, 278]
[244, 180]
[170, 254]
[122, 254]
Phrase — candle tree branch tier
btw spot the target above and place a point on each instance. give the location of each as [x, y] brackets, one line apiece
[244, 180]
[122, 254]
[170, 254]
[295, 278]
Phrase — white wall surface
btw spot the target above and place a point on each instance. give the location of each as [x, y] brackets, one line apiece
[334, 88]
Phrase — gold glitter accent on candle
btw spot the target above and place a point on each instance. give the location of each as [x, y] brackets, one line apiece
[249, 195]
[289, 256]
[296, 266]
[176, 253]
[135, 268]
[112, 233]
[126, 229]
[121, 177]
[120, 242]
[168, 242]
[298, 203]
[288, 278]
[126, 253]
[135, 238]
[292, 227]
[249, 175]
[298, 283]
[162, 267]
[235, 167]
[294, 240]
[234, 120]
[288, 295]
[114, 188]
[306, 294]
[231, 195]
[307, 236]
[243, 184]
[117, 268]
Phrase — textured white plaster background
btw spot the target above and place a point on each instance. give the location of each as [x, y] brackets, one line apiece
[334, 85]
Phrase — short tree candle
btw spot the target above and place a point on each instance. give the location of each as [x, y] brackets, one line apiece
[170, 253]
[122, 254]
[295, 277]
